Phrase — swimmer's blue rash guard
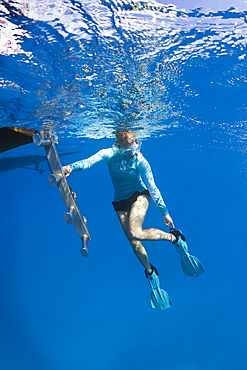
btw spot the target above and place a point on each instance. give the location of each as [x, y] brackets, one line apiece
[126, 174]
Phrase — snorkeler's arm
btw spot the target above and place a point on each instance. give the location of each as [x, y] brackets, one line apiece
[147, 176]
[102, 155]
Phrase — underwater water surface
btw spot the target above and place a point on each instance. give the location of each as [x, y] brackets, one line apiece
[176, 73]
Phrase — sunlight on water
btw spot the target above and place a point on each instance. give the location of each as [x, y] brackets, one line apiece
[89, 67]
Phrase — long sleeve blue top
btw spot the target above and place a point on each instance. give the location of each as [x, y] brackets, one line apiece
[127, 174]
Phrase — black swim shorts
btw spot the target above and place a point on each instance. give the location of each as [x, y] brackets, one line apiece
[125, 205]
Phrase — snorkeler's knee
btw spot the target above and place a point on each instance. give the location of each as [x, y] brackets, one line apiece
[135, 235]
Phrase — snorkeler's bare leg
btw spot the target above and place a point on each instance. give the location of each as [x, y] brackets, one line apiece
[137, 246]
[136, 219]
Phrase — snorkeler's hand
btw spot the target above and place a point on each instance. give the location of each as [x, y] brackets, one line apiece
[168, 221]
[67, 170]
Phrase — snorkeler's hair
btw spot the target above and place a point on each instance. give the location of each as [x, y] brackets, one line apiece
[125, 137]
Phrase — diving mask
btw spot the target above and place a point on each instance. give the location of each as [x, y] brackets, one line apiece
[132, 149]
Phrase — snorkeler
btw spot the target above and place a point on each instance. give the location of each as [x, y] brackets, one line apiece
[128, 168]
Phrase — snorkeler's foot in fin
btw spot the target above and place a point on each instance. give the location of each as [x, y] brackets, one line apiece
[191, 265]
[159, 297]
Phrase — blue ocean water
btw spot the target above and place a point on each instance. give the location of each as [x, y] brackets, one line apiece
[176, 74]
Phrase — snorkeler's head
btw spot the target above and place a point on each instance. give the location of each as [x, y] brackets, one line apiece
[125, 138]
[127, 142]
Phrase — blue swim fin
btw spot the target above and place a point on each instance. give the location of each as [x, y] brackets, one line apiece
[159, 297]
[191, 265]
